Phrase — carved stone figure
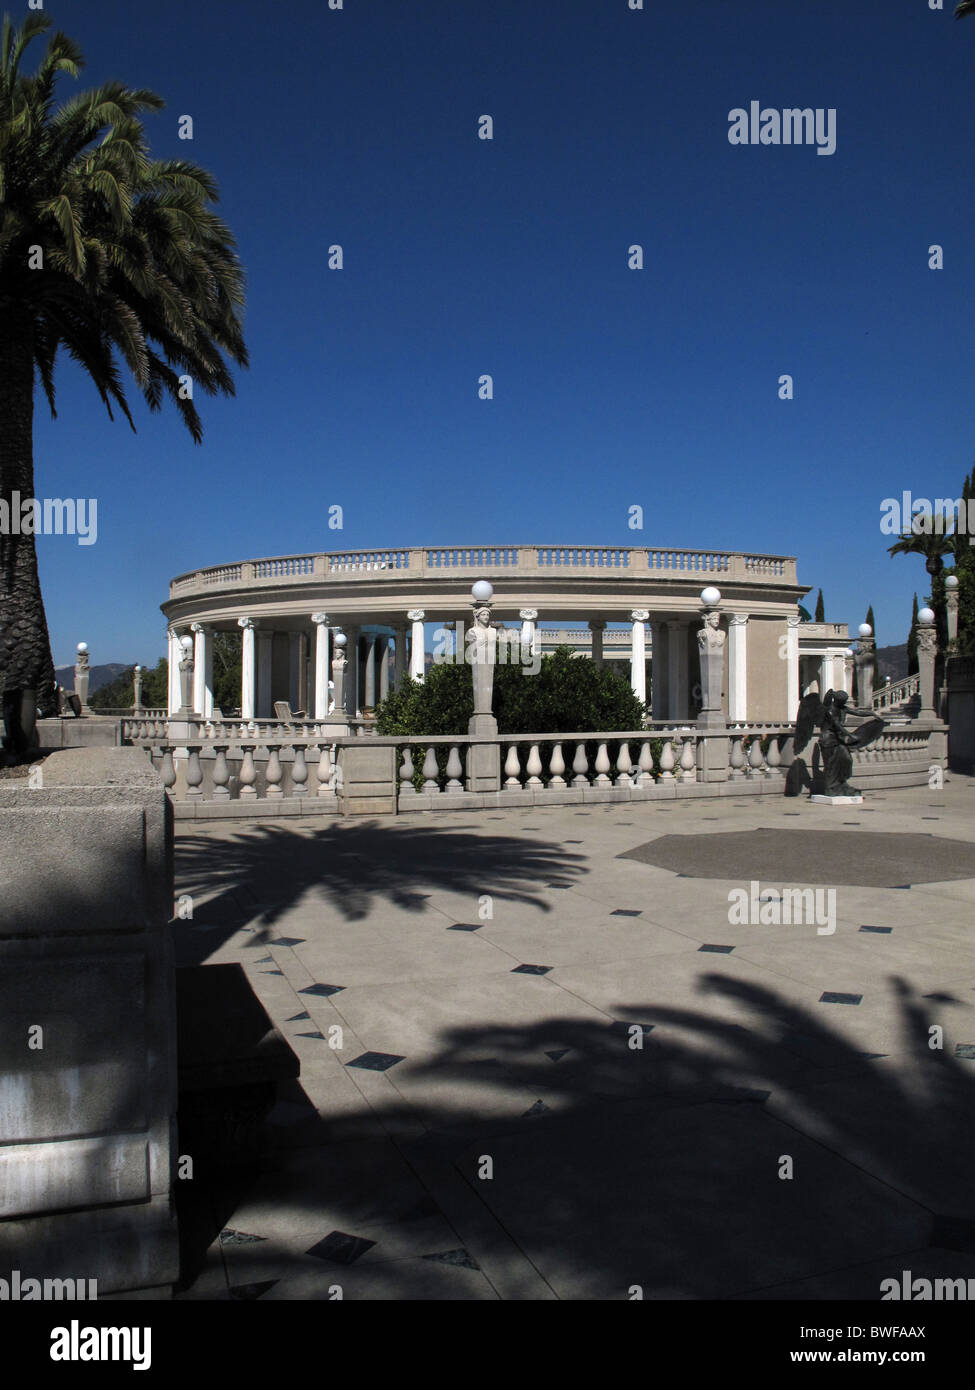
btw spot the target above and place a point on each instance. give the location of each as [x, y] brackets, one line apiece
[835, 742]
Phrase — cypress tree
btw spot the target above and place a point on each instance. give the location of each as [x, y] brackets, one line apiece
[820, 609]
[912, 661]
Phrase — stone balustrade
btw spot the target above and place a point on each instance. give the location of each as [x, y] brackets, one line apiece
[896, 693]
[528, 560]
[267, 767]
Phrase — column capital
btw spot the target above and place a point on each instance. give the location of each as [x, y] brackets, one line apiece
[738, 619]
[794, 620]
[248, 624]
[639, 615]
[528, 615]
[199, 627]
[597, 624]
[416, 615]
[320, 619]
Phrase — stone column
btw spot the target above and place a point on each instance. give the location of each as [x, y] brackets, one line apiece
[658, 685]
[738, 669]
[638, 654]
[382, 643]
[248, 667]
[677, 670]
[339, 664]
[597, 626]
[867, 650]
[172, 661]
[483, 759]
[202, 670]
[352, 669]
[321, 665]
[951, 612]
[416, 616]
[848, 670]
[927, 652]
[529, 617]
[186, 665]
[399, 655]
[460, 634]
[792, 695]
[265, 656]
[369, 702]
[81, 676]
[294, 670]
[711, 643]
[137, 690]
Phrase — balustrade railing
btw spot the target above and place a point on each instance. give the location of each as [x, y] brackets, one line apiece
[897, 692]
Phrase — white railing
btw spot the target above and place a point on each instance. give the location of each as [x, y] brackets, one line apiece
[897, 693]
[527, 559]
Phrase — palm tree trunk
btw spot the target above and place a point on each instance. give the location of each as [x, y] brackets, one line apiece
[25, 648]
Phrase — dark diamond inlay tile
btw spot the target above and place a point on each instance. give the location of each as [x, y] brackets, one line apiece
[287, 941]
[832, 996]
[719, 950]
[940, 997]
[340, 1248]
[885, 930]
[375, 1061]
[265, 960]
[627, 912]
[461, 1258]
[298, 1018]
[562, 886]
[573, 842]
[558, 1054]
[322, 991]
[229, 1236]
[311, 1035]
[466, 926]
[966, 1050]
[531, 969]
[272, 972]
[539, 1108]
[248, 1292]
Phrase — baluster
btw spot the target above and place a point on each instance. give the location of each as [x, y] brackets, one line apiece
[580, 766]
[624, 767]
[645, 764]
[602, 767]
[273, 773]
[406, 773]
[221, 775]
[248, 775]
[688, 759]
[755, 759]
[534, 768]
[431, 772]
[324, 773]
[737, 759]
[773, 758]
[299, 772]
[194, 773]
[512, 768]
[168, 769]
[556, 767]
[455, 770]
[667, 762]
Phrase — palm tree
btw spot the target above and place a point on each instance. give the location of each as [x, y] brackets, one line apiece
[965, 7]
[112, 256]
[933, 545]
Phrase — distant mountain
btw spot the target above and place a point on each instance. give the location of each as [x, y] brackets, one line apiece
[892, 661]
[97, 675]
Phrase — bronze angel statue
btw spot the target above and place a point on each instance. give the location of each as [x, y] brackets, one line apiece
[828, 715]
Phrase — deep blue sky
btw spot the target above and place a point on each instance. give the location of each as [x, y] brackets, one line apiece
[612, 386]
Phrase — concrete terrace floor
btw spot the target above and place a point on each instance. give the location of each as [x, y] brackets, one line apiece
[501, 1043]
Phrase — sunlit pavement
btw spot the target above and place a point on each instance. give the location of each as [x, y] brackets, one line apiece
[477, 1116]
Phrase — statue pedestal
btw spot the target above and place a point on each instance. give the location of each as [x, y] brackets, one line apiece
[837, 800]
[483, 759]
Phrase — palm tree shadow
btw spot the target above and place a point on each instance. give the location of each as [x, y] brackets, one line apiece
[262, 872]
[648, 1151]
